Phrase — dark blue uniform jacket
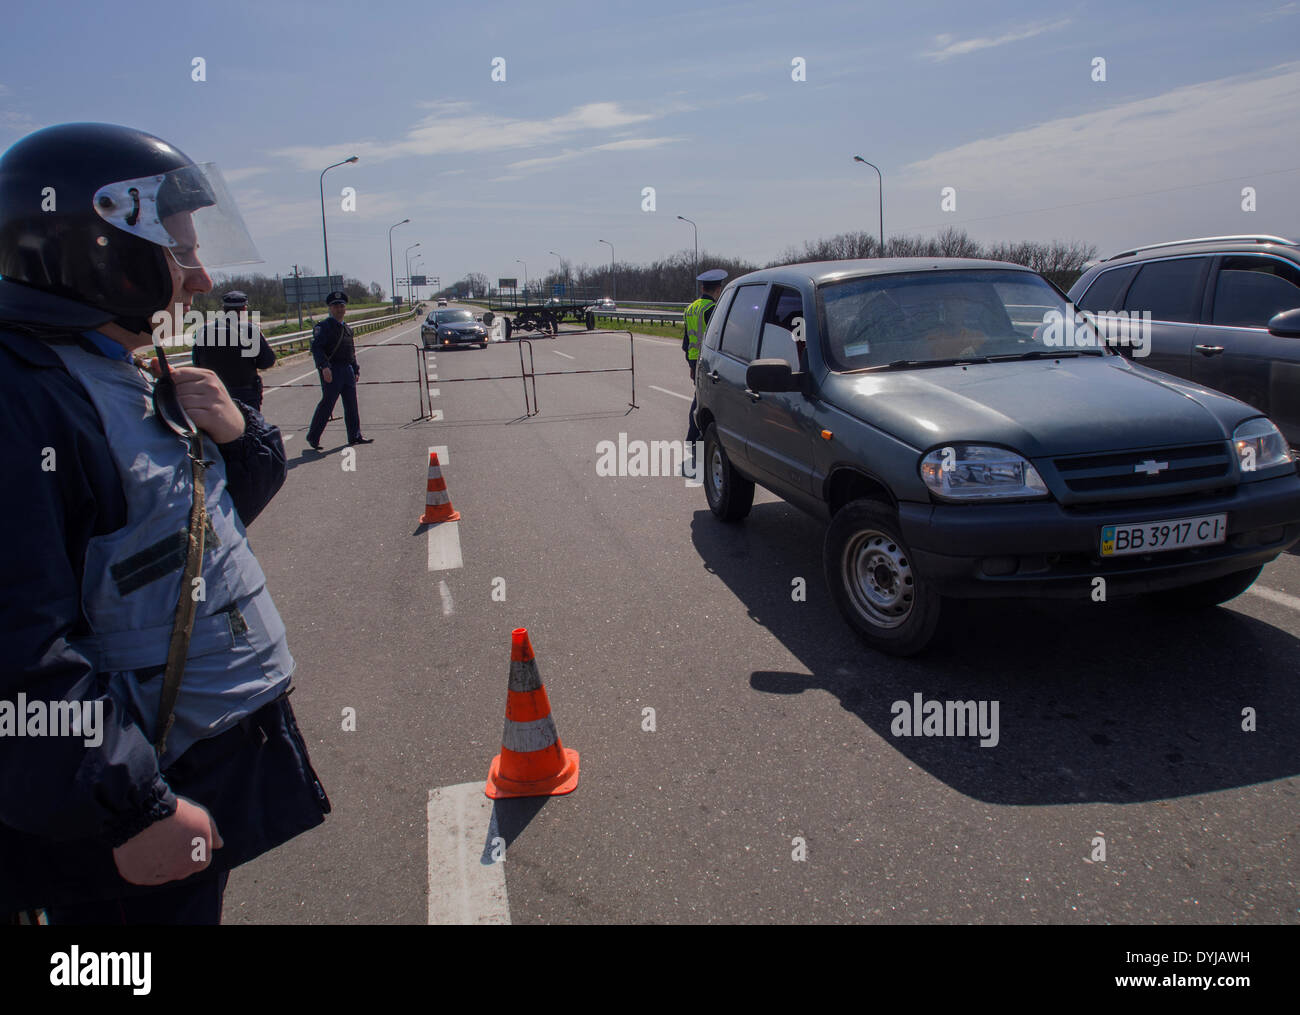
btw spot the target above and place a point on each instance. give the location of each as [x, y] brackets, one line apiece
[63, 805]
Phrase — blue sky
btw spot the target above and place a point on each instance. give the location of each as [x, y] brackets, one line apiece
[601, 100]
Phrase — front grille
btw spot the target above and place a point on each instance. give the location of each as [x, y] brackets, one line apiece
[1118, 473]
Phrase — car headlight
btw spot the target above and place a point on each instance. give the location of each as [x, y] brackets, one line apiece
[980, 472]
[1260, 445]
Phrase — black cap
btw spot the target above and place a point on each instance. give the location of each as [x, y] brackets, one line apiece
[337, 296]
[234, 298]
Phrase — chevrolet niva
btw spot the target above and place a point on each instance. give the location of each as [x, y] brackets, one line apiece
[915, 403]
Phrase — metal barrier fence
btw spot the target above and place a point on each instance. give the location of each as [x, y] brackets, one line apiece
[529, 372]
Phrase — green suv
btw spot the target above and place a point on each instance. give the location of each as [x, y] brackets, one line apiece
[923, 406]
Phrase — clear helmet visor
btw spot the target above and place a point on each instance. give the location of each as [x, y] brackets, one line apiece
[188, 211]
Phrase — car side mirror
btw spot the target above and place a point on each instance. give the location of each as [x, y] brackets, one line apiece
[1286, 324]
[772, 375]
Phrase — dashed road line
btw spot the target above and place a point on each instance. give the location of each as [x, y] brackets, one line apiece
[466, 886]
[564, 354]
[675, 394]
[444, 547]
[441, 451]
[435, 415]
[433, 392]
[448, 605]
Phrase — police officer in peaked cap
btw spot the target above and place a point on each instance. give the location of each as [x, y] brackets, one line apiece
[336, 359]
[125, 488]
[695, 320]
[235, 350]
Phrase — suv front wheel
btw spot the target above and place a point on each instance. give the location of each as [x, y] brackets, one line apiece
[730, 495]
[874, 582]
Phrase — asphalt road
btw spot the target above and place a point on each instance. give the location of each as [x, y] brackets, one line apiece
[772, 725]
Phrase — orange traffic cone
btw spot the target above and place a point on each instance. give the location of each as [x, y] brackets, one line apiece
[437, 505]
[532, 761]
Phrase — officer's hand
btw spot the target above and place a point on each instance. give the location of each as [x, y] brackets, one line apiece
[327, 375]
[693, 362]
[165, 851]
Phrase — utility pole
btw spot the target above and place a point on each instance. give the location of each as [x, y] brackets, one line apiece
[298, 290]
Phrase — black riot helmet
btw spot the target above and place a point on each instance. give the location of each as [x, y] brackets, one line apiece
[89, 215]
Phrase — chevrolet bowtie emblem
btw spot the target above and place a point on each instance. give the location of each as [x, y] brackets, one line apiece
[1150, 466]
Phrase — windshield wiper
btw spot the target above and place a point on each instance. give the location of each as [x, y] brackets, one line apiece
[899, 364]
[1036, 354]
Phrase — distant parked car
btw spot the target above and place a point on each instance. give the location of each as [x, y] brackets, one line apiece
[603, 305]
[442, 301]
[1225, 313]
[918, 405]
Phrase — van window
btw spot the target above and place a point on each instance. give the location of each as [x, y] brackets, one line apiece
[1171, 290]
[1250, 290]
[784, 309]
[740, 334]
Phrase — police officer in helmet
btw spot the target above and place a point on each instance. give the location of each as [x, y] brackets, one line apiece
[129, 596]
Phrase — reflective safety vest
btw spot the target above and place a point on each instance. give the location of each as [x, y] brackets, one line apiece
[694, 315]
[238, 657]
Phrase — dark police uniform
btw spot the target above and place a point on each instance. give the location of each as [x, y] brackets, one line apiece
[331, 346]
[227, 353]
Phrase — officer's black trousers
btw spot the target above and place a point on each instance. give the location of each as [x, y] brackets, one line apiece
[345, 384]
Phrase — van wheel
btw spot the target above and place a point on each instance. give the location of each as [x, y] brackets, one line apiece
[730, 495]
[874, 582]
[1204, 595]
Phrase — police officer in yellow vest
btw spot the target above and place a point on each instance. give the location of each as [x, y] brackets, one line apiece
[696, 320]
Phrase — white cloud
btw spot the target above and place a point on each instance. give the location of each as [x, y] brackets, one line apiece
[1281, 12]
[451, 128]
[1215, 129]
[947, 46]
[245, 173]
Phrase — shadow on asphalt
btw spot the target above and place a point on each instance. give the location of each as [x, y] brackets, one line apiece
[1112, 702]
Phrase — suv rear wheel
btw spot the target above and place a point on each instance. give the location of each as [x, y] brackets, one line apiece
[874, 582]
[730, 495]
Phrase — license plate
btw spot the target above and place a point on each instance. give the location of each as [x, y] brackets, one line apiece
[1157, 537]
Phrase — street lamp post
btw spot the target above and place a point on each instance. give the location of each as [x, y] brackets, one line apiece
[324, 238]
[859, 158]
[392, 278]
[562, 268]
[520, 260]
[408, 270]
[697, 250]
[613, 279]
[419, 260]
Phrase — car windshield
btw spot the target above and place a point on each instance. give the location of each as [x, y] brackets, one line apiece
[936, 317]
[455, 317]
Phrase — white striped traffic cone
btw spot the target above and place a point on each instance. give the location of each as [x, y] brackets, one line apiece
[437, 505]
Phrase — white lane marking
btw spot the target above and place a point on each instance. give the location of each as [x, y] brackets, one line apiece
[441, 451]
[433, 377]
[1274, 596]
[433, 392]
[448, 606]
[465, 885]
[564, 354]
[435, 415]
[289, 436]
[685, 398]
[444, 547]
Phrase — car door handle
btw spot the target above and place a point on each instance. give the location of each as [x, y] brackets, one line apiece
[1208, 350]
[754, 396]
[714, 376]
